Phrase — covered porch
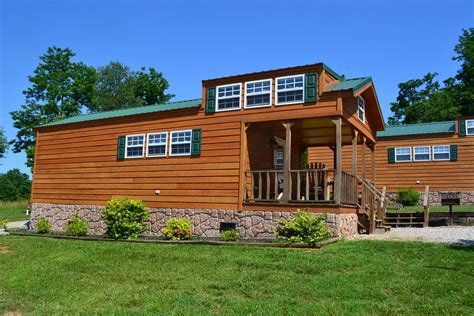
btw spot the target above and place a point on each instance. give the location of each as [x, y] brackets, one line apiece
[277, 173]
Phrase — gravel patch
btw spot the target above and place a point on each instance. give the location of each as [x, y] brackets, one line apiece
[451, 234]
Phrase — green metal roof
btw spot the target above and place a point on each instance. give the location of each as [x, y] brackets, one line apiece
[129, 111]
[418, 129]
[355, 84]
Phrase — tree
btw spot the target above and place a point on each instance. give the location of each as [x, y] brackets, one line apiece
[115, 88]
[3, 143]
[426, 100]
[151, 86]
[60, 88]
[465, 55]
[14, 185]
[118, 87]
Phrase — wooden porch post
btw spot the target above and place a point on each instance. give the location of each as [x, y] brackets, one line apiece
[287, 161]
[373, 163]
[362, 148]
[354, 152]
[243, 159]
[338, 162]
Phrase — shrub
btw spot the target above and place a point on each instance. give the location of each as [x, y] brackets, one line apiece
[178, 229]
[3, 224]
[77, 227]
[124, 218]
[408, 196]
[230, 235]
[304, 228]
[43, 226]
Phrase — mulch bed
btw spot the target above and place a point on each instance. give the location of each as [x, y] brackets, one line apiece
[204, 241]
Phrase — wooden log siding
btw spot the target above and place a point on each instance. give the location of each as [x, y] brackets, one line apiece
[439, 175]
[77, 163]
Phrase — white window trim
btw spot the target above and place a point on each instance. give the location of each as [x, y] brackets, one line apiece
[449, 153]
[190, 142]
[294, 89]
[275, 151]
[419, 160]
[467, 129]
[358, 109]
[231, 97]
[148, 143]
[257, 93]
[411, 156]
[126, 146]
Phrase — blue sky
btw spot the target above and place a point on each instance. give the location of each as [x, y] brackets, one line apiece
[392, 41]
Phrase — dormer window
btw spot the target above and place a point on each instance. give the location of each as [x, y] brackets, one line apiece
[228, 97]
[258, 93]
[290, 89]
[470, 127]
[361, 108]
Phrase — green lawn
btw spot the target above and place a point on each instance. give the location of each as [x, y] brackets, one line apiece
[50, 276]
[413, 209]
[13, 211]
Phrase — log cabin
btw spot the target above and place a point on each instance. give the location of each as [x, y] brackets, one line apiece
[439, 155]
[232, 158]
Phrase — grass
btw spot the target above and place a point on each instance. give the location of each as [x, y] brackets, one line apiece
[438, 208]
[51, 276]
[13, 211]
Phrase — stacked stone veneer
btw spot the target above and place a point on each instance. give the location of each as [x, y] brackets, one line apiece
[206, 222]
[434, 198]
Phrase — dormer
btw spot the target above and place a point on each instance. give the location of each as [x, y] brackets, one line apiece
[272, 88]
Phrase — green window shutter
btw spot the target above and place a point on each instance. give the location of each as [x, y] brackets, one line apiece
[391, 155]
[196, 142]
[311, 87]
[211, 100]
[121, 148]
[462, 128]
[453, 152]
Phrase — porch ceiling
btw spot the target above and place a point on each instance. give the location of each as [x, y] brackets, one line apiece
[308, 132]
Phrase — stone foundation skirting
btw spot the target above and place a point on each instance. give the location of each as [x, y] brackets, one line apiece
[434, 198]
[206, 222]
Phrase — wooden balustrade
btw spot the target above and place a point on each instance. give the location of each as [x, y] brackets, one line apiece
[349, 193]
[310, 185]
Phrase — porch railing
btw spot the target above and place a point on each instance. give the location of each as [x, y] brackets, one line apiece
[306, 185]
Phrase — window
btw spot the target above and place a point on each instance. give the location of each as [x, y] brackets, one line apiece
[228, 97]
[402, 154]
[180, 143]
[361, 108]
[290, 89]
[258, 93]
[421, 153]
[156, 144]
[134, 146]
[469, 127]
[278, 157]
[441, 152]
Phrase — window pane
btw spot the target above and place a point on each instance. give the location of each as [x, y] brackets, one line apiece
[157, 150]
[180, 149]
[441, 153]
[290, 96]
[403, 154]
[421, 153]
[134, 151]
[256, 100]
[228, 103]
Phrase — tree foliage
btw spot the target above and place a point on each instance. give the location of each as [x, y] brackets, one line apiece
[14, 186]
[427, 100]
[118, 87]
[3, 143]
[59, 89]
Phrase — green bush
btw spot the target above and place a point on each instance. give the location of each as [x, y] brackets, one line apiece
[124, 218]
[77, 227]
[230, 235]
[304, 228]
[43, 226]
[408, 196]
[178, 229]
